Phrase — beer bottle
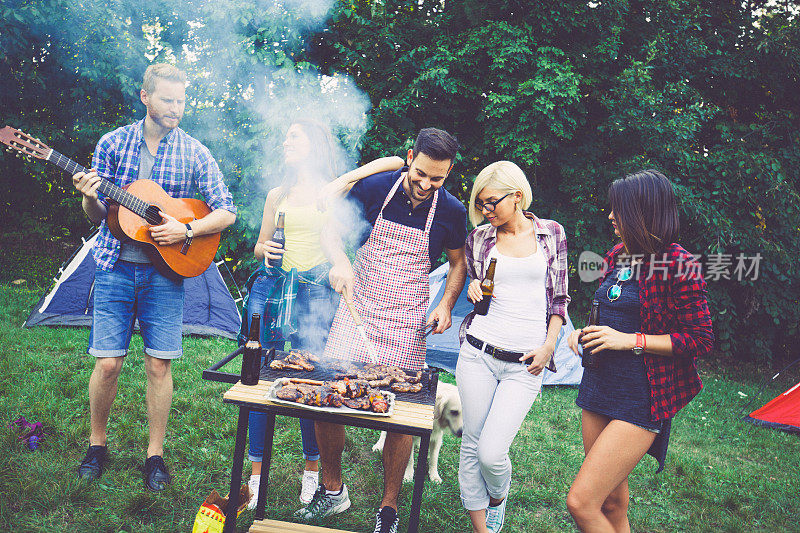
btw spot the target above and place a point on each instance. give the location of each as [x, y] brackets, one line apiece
[279, 237]
[589, 359]
[251, 357]
[487, 288]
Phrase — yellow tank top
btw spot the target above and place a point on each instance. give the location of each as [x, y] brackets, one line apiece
[302, 226]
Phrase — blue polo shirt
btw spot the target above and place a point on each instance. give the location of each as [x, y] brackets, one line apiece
[449, 228]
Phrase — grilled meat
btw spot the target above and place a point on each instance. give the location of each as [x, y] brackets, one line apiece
[289, 393]
[295, 360]
[305, 354]
[362, 404]
[279, 364]
[404, 386]
[415, 378]
[378, 402]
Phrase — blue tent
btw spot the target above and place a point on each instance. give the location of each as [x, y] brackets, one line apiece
[209, 308]
[443, 349]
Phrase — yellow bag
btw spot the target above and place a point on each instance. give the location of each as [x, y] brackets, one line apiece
[211, 515]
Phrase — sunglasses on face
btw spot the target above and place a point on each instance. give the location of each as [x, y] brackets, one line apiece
[615, 291]
[489, 206]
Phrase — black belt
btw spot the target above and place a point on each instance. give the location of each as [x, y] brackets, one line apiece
[494, 351]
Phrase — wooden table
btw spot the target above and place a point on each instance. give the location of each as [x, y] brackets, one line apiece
[409, 418]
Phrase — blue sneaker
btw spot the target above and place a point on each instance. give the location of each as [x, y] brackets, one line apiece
[495, 516]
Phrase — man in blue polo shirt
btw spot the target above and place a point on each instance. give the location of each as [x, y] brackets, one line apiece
[413, 221]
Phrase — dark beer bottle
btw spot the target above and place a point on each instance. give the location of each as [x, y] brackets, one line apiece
[251, 357]
[589, 359]
[487, 288]
[279, 237]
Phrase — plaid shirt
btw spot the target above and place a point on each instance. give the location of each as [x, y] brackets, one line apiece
[553, 241]
[183, 165]
[673, 302]
[280, 314]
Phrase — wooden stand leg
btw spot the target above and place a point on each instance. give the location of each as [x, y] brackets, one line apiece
[236, 471]
[419, 483]
[266, 462]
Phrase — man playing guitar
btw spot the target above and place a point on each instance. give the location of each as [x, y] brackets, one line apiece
[127, 285]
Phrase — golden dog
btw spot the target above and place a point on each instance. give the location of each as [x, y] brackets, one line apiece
[446, 416]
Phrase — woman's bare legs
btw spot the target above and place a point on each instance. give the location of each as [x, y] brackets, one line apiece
[598, 498]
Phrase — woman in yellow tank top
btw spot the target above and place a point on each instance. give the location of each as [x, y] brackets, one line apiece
[298, 297]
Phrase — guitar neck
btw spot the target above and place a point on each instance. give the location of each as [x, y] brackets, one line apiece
[118, 194]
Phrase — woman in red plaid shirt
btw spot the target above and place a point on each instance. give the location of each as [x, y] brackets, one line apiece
[653, 324]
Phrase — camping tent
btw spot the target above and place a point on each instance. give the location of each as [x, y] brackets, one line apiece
[443, 349]
[782, 412]
[209, 308]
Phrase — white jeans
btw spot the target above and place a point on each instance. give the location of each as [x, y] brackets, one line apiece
[495, 397]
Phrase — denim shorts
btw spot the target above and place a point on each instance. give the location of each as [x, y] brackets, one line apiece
[136, 291]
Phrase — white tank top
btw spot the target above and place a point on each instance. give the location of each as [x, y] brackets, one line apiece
[516, 319]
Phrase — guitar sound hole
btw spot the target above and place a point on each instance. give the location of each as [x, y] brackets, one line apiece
[151, 215]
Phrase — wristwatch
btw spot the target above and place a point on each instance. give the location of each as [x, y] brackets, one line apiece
[189, 232]
[641, 344]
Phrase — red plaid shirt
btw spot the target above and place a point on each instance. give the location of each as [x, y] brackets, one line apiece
[673, 302]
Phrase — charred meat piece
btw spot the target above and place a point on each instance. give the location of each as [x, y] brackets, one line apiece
[289, 392]
[334, 400]
[305, 354]
[416, 378]
[295, 358]
[339, 386]
[344, 367]
[403, 386]
[279, 364]
[362, 404]
[356, 389]
[378, 402]
[385, 382]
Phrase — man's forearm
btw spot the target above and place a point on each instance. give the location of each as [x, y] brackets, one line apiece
[94, 209]
[214, 222]
[455, 283]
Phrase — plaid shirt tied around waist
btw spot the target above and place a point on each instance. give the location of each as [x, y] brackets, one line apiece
[182, 167]
[279, 313]
[551, 238]
[673, 302]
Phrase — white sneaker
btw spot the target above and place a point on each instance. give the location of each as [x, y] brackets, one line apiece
[495, 516]
[324, 504]
[308, 486]
[253, 484]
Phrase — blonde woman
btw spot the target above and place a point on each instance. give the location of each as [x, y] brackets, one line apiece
[499, 369]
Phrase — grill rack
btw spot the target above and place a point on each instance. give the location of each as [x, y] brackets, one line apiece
[321, 372]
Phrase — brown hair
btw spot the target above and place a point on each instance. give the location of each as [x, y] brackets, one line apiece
[161, 71]
[325, 158]
[645, 211]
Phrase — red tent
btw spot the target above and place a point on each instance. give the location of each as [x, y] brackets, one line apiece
[783, 412]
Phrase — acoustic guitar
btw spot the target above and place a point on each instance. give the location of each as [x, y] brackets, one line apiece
[133, 209]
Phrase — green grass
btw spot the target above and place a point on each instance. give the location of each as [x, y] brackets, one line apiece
[722, 474]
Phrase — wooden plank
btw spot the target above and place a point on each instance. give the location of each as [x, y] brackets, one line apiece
[405, 413]
[274, 526]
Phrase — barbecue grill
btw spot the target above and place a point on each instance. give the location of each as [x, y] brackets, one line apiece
[413, 416]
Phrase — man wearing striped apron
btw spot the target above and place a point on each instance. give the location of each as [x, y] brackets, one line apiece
[413, 221]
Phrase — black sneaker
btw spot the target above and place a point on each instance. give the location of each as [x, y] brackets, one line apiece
[386, 520]
[156, 477]
[91, 467]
